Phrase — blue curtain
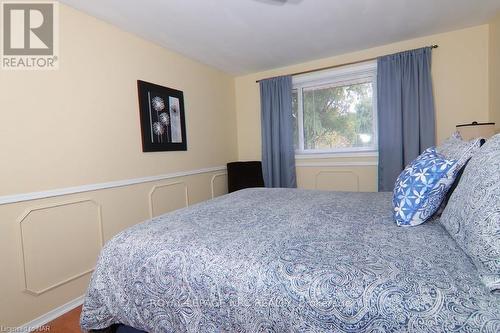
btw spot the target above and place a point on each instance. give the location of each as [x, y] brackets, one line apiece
[406, 121]
[278, 153]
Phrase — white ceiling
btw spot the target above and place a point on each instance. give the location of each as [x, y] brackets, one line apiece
[243, 36]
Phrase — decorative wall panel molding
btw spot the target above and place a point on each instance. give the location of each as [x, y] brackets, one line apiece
[319, 156]
[336, 164]
[169, 206]
[8, 199]
[212, 183]
[339, 180]
[56, 226]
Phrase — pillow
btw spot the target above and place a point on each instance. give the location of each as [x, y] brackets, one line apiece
[421, 187]
[472, 216]
[453, 186]
[458, 149]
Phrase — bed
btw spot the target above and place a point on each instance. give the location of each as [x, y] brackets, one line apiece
[283, 260]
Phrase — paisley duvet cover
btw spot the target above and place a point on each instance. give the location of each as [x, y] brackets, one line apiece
[282, 260]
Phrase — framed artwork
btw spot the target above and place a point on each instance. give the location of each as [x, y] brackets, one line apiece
[161, 111]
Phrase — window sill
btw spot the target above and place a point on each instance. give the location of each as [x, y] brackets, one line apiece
[308, 156]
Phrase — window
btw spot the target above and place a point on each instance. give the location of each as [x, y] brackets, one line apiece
[335, 110]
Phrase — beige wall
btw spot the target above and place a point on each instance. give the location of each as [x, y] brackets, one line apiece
[460, 73]
[495, 71]
[80, 125]
[46, 116]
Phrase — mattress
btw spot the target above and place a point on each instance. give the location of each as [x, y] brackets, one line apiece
[288, 260]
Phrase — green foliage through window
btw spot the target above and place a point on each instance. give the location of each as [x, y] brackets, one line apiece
[335, 116]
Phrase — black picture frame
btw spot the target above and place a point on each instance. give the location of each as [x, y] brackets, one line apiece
[162, 116]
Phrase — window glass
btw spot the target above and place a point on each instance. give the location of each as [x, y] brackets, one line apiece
[338, 116]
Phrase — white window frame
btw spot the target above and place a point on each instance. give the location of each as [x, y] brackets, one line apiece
[363, 72]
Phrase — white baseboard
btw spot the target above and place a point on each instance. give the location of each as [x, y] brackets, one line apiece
[49, 316]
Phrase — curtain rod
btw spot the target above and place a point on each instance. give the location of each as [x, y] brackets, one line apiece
[335, 66]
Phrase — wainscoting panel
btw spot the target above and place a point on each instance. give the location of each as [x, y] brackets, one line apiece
[218, 184]
[47, 260]
[341, 174]
[337, 180]
[165, 198]
[50, 241]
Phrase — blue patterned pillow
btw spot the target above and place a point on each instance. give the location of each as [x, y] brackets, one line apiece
[472, 216]
[421, 187]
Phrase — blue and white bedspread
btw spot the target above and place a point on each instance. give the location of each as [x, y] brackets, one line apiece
[277, 260]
